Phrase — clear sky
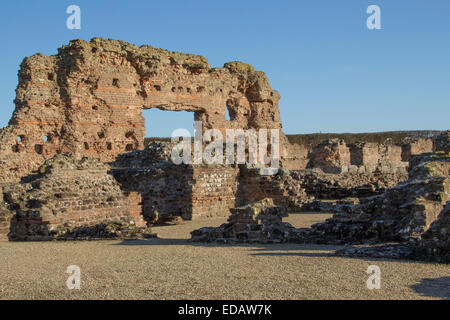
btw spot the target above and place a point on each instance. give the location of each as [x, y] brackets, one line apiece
[333, 74]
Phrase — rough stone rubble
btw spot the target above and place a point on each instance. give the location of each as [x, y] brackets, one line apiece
[257, 222]
[409, 221]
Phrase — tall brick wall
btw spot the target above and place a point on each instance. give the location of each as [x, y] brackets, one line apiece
[87, 101]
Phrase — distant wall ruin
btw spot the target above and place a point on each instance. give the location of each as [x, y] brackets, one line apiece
[336, 156]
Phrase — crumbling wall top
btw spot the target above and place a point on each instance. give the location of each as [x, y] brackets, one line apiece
[87, 100]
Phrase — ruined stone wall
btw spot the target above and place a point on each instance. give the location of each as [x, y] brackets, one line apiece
[350, 184]
[402, 213]
[390, 157]
[5, 219]
[88, 100]
[299, 189]
[189, 192]
[214, 191]
[416, 147]
[298, 157]
[364, 155]
[442, 142]
[332, 156]
[283, 188]
[165, 191]
[435, 244]
[169, 190]
[259, 222]
[335, 156]
[414, 214]
[65, 195]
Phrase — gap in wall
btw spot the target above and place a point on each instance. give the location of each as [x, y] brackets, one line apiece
[161, 123]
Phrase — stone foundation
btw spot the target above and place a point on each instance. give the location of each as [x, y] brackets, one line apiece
[259, 222]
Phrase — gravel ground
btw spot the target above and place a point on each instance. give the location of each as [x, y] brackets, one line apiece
[172, 268]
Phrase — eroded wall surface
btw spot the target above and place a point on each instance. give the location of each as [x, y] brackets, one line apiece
[65, 196]
[88, 100]
[335, 156]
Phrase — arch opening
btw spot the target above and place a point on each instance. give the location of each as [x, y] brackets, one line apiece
[160, 124]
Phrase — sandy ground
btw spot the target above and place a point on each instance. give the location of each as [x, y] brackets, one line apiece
[172, 268]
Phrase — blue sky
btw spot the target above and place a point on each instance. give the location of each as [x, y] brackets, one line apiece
[333, 74]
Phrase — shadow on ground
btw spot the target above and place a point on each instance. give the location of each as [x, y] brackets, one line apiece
[436, 288]
[258, 249]
[255, 249]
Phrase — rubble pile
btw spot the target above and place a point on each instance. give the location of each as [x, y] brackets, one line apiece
[402, 213]
[259, 222]
[106, 230]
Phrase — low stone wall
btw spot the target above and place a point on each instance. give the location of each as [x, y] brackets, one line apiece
[5, 220]
[408, 221]
[182, 191]
[335, 156]
[259, 222]
[283, 188]
[214, 191]
[297, 189]
[169, 191]
[357, 185]
[435, 244]
[67, 194]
